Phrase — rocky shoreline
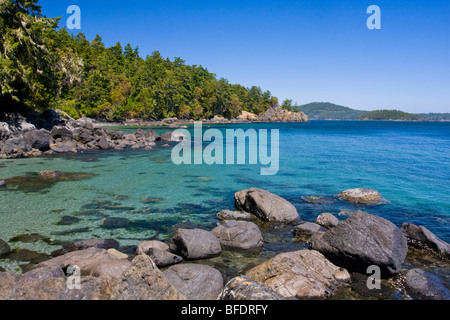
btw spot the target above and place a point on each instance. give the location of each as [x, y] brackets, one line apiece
[49, 133]
[337, 259]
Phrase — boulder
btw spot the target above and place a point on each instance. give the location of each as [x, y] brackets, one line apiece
[239, 234]
[163, 259]
[117, 254]
[243, 288]
[196, 281]
[144, 281]
[145, 246]
[364, 240]
[361, 196]
[61, 132]
[111, 269]
[37, 139]
[303, 274]
[103, 143]
[265, 205]
[424, 285]
[5, 249]
[422, 238]
[234, 215]
[89, 260]
[194, 244]
[327, 220]
[64, 146]
[308, 229]
[5, 132]
[38, 274]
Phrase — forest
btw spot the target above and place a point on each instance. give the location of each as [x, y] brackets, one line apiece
[44, 67]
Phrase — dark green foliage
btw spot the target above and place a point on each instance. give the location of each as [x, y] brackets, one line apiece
[389, 115]
[329, 111]
[46, 68]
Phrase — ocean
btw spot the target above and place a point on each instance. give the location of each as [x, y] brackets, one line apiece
[407, 162]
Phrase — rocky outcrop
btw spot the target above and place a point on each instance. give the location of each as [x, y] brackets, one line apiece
[278, 114]
[361, 196]
[239, 234]
[244, 288]
[364, 240]
[196, 281]
[265, 205]
[195, 244]
[302, 274]
[423, 239]
[424, 285]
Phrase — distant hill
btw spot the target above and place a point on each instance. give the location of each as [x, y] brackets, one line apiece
[436, 116]
[391, 115]
[329, 111]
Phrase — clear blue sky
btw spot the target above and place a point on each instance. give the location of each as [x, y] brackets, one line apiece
[316, 50]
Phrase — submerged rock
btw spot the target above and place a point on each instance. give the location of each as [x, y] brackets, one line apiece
[31, 238]
[244, 288]
[194, 244]
[196, 281]
[362, 196]
[4, 248]
[115, 223]
[424, 285]
[239, 234]
[50, 174]
[265, 205]
[67, 221]
[91, 243]
[422, 238]
[302, 274]
[364, 240]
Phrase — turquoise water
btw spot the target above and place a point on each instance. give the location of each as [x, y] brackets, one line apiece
[409, 163]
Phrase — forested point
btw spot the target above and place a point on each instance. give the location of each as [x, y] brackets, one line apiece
[44, 67]
[389, 115]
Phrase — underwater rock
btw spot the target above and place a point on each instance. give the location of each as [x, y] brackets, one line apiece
[30, 238]
[115, 223]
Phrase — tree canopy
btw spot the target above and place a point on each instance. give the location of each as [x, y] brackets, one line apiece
[44, 67]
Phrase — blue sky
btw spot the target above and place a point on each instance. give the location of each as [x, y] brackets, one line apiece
[316, 50]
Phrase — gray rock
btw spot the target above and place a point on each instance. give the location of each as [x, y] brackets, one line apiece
[327, 220]
[302, 274]
[61, 132]
[41, 274]
[112, 269]
[103, 143]
[4, 248]
[424, 285]
[362, 196]
[2, 184]
[144, 281]
[422, 238]
[239, 234]
[37, 139]
[308, 229]
[163, 259]
[265, 205]
[63, 146]
[196, 281]
[145, 246]
[364, 240]
[195, 244]
[244, 288]
[115, 223]
[234, 215]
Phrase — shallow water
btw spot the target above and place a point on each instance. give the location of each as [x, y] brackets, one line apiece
[409, 163]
